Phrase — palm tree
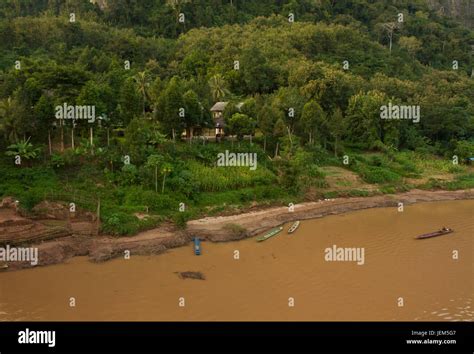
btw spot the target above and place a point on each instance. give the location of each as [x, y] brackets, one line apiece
[142, 81]
[218, 87]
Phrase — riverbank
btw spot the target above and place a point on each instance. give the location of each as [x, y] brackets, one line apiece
[221, 228]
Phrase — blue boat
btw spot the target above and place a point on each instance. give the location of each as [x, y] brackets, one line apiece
[197, 246]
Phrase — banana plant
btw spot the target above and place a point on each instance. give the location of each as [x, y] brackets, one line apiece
[24, 149]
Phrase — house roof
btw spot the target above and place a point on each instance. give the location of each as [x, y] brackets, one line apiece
[219, 107]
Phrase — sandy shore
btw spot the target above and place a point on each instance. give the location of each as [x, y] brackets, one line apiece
[222, 228]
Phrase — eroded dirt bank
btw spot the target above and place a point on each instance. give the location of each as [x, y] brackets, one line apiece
[221, 228]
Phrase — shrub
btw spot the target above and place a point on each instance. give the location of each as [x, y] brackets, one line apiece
[120, 223]
[237, 231]
[455, 169]
[464, 149]
[181, 218]
[372, 174]
[388, 190]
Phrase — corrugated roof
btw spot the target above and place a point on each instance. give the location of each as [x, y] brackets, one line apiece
[219, 107]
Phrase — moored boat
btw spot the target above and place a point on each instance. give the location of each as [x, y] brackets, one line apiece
[197, 246]
[443, 231]
[269, 234]
[293, 227]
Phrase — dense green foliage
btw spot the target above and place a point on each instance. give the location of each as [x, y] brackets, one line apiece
[309, 92]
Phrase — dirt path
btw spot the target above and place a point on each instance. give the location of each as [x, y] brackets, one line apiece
[222, 228]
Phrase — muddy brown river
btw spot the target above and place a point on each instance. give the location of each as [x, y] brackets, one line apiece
[283, 278]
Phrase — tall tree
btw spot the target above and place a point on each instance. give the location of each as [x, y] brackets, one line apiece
[129, 102]
[193, 115]
[44, 109]
[311, 119]
[9, 124]
[240, 124]
[218, 87]
[389, 29]
[155, 161]
[279, 131]
[336, 128]
[363, 118]
[166, 169]
[171, 109]
[266, 119]
[142, 82]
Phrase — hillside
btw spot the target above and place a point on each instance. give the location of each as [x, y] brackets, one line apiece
[317, 100]
[462, 10]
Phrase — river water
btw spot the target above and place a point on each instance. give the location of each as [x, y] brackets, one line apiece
[270, 276]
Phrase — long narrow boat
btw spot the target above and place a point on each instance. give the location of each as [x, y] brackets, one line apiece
[269, 234]
[293, 227]
[197, 246]
[441, 232]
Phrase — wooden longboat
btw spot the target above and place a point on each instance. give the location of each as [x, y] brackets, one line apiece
[269, 234]
[441, 232]
[294, 227]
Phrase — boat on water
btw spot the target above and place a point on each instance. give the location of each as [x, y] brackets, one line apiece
[269, 234]
[441, 232]
[197, 246]
[293, 227]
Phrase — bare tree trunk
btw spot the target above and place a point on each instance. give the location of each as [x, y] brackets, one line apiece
[276, 149]
[92, 139]
[98, 217]
[265, 143]
[62, 134]
[49, 142]
[174, 135]
[72, 138]
[390, 36]
[289, 136]
[191, 134]
[108, 137]
[163, 187]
